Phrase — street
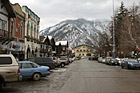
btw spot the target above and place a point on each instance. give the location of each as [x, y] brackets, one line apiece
[82, 76]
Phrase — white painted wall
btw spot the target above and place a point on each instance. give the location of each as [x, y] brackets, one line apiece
[32, 45]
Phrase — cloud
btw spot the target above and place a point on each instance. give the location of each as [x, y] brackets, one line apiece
[52, 12]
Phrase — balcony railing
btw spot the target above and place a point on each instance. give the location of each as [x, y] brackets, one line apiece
[5, 34]
[32, 39]
[28, 37]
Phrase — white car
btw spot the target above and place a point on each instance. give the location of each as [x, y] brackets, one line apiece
[9, 69]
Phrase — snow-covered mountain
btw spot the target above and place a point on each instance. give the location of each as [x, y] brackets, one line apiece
[79, 31]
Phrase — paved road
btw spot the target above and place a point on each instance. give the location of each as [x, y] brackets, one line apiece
[93, 77]
[82, 76]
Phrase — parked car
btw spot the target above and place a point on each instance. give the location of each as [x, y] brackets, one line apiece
[103, 61]
[119, 61]
[100, 59]
[56, 61]
[43, 61]
[70, 59]
[130, 64]
[73, 59]
[64, 61]
[113, 62]
[95, 57]
[9, 69]
[90, 58]
[122, 60]
[32, 70]
[61, 62]
[78, 58]
[107, 59]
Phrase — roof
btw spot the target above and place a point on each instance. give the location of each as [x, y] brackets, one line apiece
[50, 37]
[41, 38]
[45, 37]
[84, 45]
[31, 11]
[18, 9]
[9, 8]
[64, 43]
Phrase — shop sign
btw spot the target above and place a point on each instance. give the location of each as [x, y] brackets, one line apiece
[16, 46]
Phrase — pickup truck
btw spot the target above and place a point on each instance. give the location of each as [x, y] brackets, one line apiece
[9, 69]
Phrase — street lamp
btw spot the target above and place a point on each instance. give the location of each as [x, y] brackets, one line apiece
[113, 32]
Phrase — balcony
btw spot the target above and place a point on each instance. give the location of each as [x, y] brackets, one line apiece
[43, 50]
[38, 42]
[21, 39]
[32, 39]
[35, 40]
[28, 37]
[5, 36]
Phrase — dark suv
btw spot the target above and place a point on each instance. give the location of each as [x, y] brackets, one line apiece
[43, 61]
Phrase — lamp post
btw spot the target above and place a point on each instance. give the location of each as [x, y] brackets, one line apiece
[113, 32]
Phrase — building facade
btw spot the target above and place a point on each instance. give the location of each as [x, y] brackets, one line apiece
[62, 48]
[16, 27]
[6, 12]
[47, 46]
[83, 50]
[32, 22]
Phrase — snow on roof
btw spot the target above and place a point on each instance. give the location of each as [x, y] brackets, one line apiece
[50, 37]
[44, 39]
[62, 43]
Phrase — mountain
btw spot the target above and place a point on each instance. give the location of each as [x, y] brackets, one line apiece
[79, 31]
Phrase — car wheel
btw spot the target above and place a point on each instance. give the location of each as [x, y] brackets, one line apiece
[62, 65]
[36, 76]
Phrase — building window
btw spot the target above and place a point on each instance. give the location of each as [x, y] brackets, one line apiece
[31, 29]
[83, 54]
[28, 29]
[4, 25]
[21, 31]
[84, 50]
[41, 46]
[34, 31]
[0, 24]
[77, 50]
[79, 54]
[80, 50]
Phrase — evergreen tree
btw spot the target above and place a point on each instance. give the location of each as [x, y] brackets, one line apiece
[118, 24]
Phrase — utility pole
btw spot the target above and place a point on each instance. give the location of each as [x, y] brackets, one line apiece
[113, 32]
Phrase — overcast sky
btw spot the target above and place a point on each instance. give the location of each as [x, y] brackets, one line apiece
[52, 12]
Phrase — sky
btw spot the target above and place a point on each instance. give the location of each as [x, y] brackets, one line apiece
[52, 12]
